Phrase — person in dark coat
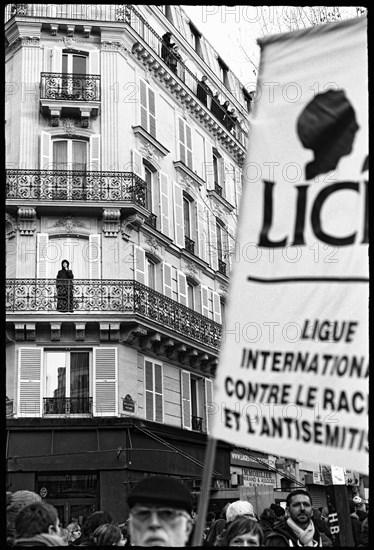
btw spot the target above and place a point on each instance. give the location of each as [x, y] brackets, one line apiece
[355, 523]
[267, 520]
[297, 529]
[166, 47]
[37, 524]
[65, 289]
[203, 89]
[216, 108]
[217, 527]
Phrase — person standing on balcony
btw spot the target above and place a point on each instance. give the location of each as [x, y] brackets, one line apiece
[65, 289]
[166, 47]
[203, 89]
[216, 107]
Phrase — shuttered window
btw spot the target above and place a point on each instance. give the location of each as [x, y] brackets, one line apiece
[29, 382]
[105, 401]
[147, 108]
[186, 399]
[210, 304]
[185, 143]
[154, 406]
[208, 403]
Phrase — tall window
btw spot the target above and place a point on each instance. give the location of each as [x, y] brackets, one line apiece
[187, 217]
[219, 229]
[69, 154]
[147, 108]
[191, 295]
[148, 181]
[185, 143]
[223, 69]
[74, 63]
[66, 382]
[151, 273]
[153, 391]
[195, 38]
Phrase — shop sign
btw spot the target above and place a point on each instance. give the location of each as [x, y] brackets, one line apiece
[252, 478]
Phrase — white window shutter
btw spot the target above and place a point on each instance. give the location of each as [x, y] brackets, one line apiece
[182, 288]
[213, 249]
[140, 273]
[208, 403]
[46, 157]
[159, 399]
[137, 163]
[105, 380]
[202, 233]
[204, 300]
[95, 163]
[186, 399]
[230, 246]
[47, 63]
[217, 308]
[29, 398]
[178, 216]
[94, 62]
[143, 105]
[230, 183]
[152, 112]
[182, 141]
[94, 256]
[167, 279]
[165, 204]
[189, 146]
[209, 168]
[148, 390]
[41, 255]
[57, 60]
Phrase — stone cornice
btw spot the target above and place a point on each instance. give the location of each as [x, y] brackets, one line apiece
[150, 141]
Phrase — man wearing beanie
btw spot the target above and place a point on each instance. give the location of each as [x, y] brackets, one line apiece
[160, 513]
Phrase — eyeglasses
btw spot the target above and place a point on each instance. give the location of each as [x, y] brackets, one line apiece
[163, 514]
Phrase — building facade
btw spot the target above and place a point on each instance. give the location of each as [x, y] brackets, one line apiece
[117, 163]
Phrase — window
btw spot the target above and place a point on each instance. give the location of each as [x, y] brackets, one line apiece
[147, 108]
[218, 167]
[73, 63]
[189, 223]
[186, 217]
[210, 304]
[223, 72]
[148, 182]
[185, 143]
[67, 383]
[153, 391]
[191, 295]
[69, 154]
[151, 274]
[196, 399]
[196, 40]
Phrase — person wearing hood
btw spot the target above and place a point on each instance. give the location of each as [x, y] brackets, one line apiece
[297, 527]
[65, 289]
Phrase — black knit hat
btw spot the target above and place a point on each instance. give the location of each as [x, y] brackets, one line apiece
[164, 491]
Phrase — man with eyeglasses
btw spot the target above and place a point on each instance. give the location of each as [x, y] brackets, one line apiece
[160, 513]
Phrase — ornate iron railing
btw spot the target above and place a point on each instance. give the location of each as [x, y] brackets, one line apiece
[67, 405]
[69, 185]
[72, 87]
[189, 245]
[197, 423]
[109, 295]
[221, 267]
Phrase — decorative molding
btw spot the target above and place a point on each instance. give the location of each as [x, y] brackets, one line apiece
[87, 30]
[21, 41]
[132, 335]
[134, 221]
[10, 226]
[55, 332]
[69, 125]
[190, 185]
[80, 332]
[114, 46]
[149, 142]
[70, 41]
[53, 27]
[69, 222]
[191, 268]
[111, 222]
[153, 243]
[218, 203]
[186, 171]
[30, 332]
[70, 31]
[26, 221]
[19, 331]
[114, 331]
[104, 332]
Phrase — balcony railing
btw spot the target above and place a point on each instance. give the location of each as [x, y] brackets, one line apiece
[70, 185]
[221, 267]
[123, 13]
[127, 297]
[197, 423]
[67, 405]
[189, 245]
[70, 87]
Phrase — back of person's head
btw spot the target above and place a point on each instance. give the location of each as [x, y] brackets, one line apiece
[268, 515]
[239, 508]
[36, 518]
[295, 493]
[107, 534]
[15, 502]
[242, 526]
[210, 517]
[93, 521]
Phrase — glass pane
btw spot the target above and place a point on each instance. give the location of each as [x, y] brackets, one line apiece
[60, 155]
[186, 211]
[79, 64]
[64, 63]
[55, 374]
[79, 155]
[79, 382]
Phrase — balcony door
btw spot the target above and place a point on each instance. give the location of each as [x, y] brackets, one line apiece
[70, 154]
[75, 250]
[74, 63]
[74, 70]
[66, 383]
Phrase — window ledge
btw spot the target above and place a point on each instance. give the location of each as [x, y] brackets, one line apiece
[185, 170]
[220, 200]
[139, 131]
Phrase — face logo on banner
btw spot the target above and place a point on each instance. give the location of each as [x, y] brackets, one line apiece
[328, 127]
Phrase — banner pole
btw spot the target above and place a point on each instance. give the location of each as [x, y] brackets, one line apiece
[210, 455]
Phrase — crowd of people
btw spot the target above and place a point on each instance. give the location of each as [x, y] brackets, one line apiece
[161, 514]
[222, 111]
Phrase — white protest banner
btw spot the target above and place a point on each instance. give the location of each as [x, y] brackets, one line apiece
[292, 377]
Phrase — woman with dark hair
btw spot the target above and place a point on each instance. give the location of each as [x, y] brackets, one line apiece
[243, 531]
[108, 534]
[267, 520]
[65, 290]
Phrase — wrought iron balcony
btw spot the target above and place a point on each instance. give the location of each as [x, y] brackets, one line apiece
[125, 297]
[189, 245]
[71, 185]
[221, 267]
[197, 423]
[67, 405]
[151, 221]
[70, 87]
